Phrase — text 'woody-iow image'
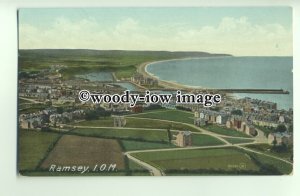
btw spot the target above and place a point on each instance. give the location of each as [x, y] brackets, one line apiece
[185, 91]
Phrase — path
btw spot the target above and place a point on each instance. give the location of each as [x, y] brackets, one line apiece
[31, 100]
[153, 170]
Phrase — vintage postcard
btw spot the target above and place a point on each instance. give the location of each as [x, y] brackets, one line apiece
[185, 91]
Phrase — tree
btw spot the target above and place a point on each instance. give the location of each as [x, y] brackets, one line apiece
[91, 115]
[237, 112]
[60, 110]
[281, 128]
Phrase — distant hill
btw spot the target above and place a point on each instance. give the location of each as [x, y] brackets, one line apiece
[122, 62]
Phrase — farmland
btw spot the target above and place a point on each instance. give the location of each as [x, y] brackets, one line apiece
[139, 123]
[172, 115]
[225, 159]
[153, 123]
[104, 122]
[75, 150]
[33, 147]
[205, 140]
[214, 161]
[138, 134]
[269, 149]
[238, 140]
[274, 166]
[138, 145]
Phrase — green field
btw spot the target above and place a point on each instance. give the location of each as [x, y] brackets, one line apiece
[237, 140]
[137, 145]
[142, 135]
[226, 159]
[23, 101]
[266, 148]
[225, 131]
[157, 124]
[172, 115]
[205, 140]
[274, 166]
[139, 123]
[214, 161]
[33, 147]
[103, 122]
[86, 151]
[30, 108]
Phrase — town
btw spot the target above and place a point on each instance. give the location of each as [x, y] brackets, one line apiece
[48, 103]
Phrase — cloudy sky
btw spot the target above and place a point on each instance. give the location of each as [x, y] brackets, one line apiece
[264, 31]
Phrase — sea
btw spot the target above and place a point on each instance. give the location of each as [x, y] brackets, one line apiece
[232, 73]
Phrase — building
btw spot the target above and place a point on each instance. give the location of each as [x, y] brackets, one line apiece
[183, 139]
[141, 80]
[280, 138]
[119, 121]
[221, 119]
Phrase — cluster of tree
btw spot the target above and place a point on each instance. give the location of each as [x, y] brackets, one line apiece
[153, 107]
[183, 108]
[95, 114]
[237, 112]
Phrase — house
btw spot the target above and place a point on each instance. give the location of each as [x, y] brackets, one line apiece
[280, 138]
[248, 129]
[141, 80]
[119, 121]
[229, 124]
[31, 123]
[183, 139]
[221, 119]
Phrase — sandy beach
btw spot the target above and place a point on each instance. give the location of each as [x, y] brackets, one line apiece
[142, 69]
[165, 84]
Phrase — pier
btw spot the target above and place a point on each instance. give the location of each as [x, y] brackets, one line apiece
[254, 91]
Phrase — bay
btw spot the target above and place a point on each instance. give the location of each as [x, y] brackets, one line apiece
[233, 73]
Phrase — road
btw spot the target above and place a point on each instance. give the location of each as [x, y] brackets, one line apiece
[154, 171]
[157, 172]
[31, 100]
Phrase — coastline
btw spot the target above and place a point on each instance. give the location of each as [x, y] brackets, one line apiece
[142, 69]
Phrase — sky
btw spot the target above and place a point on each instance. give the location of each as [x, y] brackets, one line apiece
[240, 31]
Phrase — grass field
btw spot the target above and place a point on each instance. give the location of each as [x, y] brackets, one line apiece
[139, 123]
[22, 101]
[137, 145]
[103, 122]
[87, 151]
[226, 159]
[205, 140]
[157, 124]
[147, 135]
[269, 163]
[266, 148]
[225, 131]
[172, 115]
[33, 146]
[237, 140]
[30, 108]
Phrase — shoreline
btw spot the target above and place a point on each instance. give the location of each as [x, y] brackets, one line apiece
[142, 69]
